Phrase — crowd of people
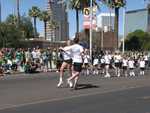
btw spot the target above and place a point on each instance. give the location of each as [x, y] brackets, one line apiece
[77, 60]
[74, 58]
[29, 60]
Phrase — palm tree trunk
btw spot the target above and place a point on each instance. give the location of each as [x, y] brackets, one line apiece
[116, 25]
[35, 33]
[45, 30]
[77, 21]
[0, 12]
[18, 13]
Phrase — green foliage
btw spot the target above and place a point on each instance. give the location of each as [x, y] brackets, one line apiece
[34, 12]
[114, 3]
[138, 41]
[44, 16]
[10, 35]
[25, 25]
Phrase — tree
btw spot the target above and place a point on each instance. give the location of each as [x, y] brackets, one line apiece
[138, 40]
[11, 19]
[45, 17]
[115, 4]
[34, 12]
[10, 35]
[25, 26]
[18, 12]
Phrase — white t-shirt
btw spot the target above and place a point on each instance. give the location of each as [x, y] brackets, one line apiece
[96, 61]
[86, 58]
[107, 59]
[117, 58]
[67, 54]
[142, 64]
[146, 58]
[102, 60]
[124, 62]
[76, 51]
[131, 63]
[34, 54]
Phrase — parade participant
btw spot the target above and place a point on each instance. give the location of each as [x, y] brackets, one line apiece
[107, 58]
[142, 64]
[125, 65]
[102, 64]
[67, 63]
[77, 53]
[95, 64]
[86, 58]
[131, 67]
[117, 60]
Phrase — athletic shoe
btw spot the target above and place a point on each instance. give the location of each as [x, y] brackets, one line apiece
[69, 83]
[60, 84]
[107, 76]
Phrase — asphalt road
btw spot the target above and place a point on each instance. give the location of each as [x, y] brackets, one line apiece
[38, 94]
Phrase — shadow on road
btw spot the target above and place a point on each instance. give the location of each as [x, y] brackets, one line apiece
[85, 86]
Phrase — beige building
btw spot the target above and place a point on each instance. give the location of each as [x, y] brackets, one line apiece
[59, 15]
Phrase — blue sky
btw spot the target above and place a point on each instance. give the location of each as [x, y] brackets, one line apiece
[8, 7]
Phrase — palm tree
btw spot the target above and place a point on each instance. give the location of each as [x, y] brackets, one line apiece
[34, 12]
[18, 12]
[0, 12]
[116, 4]
[45, 17]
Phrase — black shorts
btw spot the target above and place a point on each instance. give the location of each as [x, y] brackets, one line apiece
[102, 65]
[118, 65]
[77, 67]
[142, 68]
[131, 68]
[124, 67]
[68, 61]
[86, 64]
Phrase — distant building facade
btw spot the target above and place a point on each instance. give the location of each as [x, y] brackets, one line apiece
[106, 21]
[59, 15]
[137, 19]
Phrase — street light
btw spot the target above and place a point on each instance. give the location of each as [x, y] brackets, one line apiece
[123, 42]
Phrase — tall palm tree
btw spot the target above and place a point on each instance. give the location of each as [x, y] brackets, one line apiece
[45, 17]
[116, 4]
[18, 11]
[0, 12]
[34, 12]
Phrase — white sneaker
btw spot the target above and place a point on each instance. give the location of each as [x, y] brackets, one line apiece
[69, 83]
[60, 84]
[107, 76]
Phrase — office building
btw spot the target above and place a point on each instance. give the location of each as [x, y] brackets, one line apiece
[58, 14]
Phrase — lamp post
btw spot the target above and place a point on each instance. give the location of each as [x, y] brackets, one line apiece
[91, 15]
[123, 42]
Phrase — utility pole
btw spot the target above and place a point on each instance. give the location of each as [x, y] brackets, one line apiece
[123, 43]
[91, 21]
